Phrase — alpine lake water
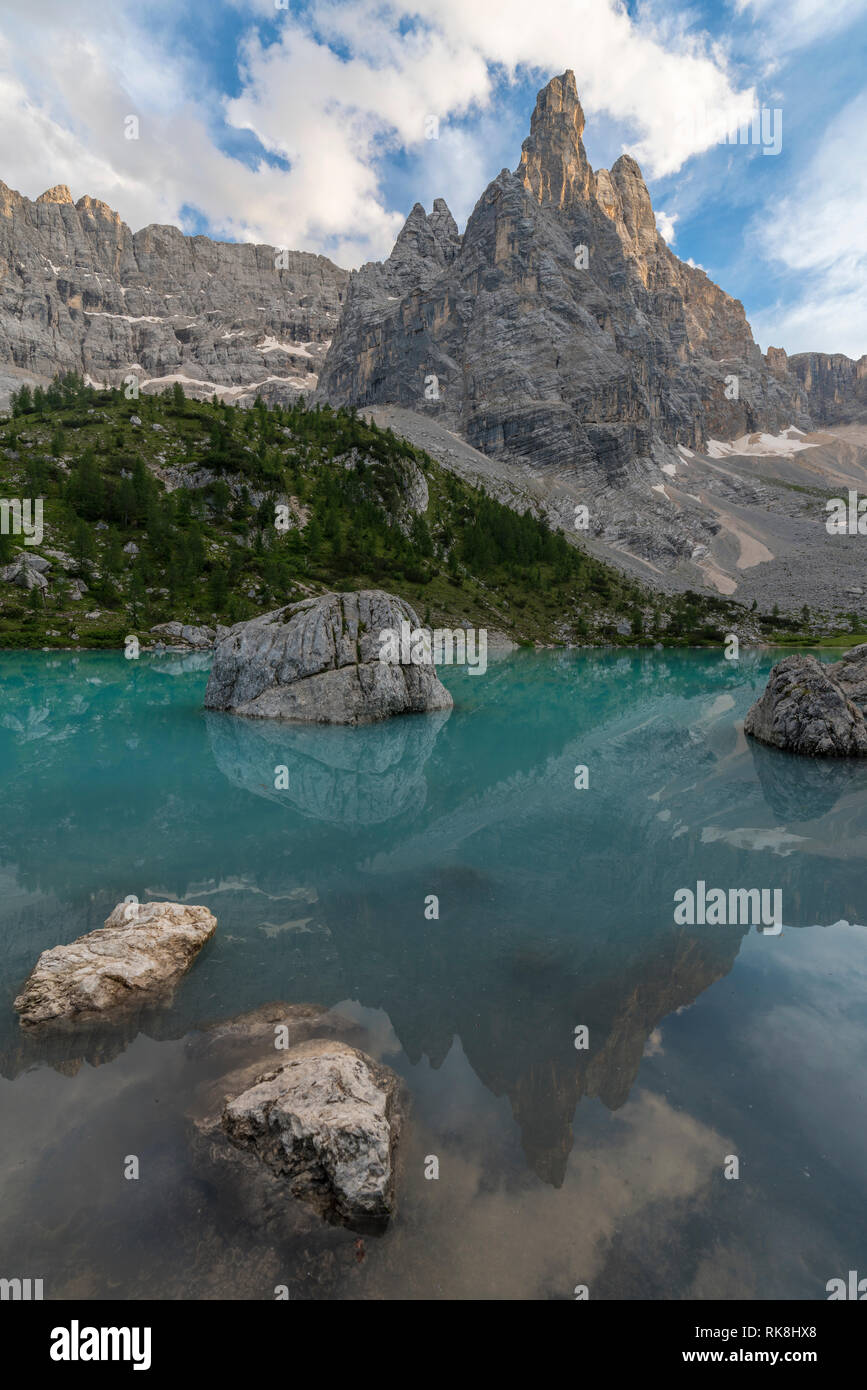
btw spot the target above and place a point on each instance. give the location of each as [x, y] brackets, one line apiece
[559, 1165]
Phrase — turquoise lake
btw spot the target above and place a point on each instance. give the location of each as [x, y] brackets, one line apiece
[559, 1166]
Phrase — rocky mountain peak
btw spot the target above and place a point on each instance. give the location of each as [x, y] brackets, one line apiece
[554, 166]
[622, 194]
[58, 194]
[425, 241]
[95, 205]
[444, 227]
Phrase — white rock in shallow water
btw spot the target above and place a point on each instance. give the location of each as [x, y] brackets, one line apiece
[318, 661]
[326, 1119]
[136, 958]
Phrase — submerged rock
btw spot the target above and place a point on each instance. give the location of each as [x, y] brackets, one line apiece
[236, 1051]
[140, 953]
[326, 1118]
[812, 708]
[231, 1056]
[318, 661]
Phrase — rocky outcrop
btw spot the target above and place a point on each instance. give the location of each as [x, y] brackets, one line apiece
[319, 661]
[816, 709]
[135, 959]
[27, 571]
[80, 292]
[184, 635]
[326, 1119]
[560, 330]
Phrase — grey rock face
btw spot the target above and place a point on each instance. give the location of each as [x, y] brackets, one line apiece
[137, 957]
[327, 1120]
[318, 661]
[537, 358]
[184, 635]
[81, 292]
[835, 385]
[811, 708]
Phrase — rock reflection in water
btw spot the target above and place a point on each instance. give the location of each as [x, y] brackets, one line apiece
[799, 788]
[332, 774]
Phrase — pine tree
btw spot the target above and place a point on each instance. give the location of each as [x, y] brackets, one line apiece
[22, 401]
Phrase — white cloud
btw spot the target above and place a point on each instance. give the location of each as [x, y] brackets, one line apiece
[665, 225]
[817, 234]
[798, 23]
[334, 118]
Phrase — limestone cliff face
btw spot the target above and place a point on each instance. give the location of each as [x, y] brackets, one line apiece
[835, 385]
[79, 291]
[560, 329]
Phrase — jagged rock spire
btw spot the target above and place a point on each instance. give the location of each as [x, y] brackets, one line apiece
[444, 227]
[553, 163]
[427, 237]
[622, 194]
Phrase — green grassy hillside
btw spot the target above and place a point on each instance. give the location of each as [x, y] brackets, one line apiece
[165, 508]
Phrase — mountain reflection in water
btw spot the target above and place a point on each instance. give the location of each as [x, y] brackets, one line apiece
[555, 911]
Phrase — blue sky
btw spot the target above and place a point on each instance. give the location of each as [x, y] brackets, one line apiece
[307, 124]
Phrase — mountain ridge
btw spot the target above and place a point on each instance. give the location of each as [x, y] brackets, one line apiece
[558, 336]
[81, 292]
[367, 362]
[561, 336]
[831, 386]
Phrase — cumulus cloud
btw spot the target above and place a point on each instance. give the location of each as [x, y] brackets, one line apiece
[333, 90]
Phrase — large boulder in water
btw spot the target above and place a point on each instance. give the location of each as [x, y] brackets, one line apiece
[318, 661]
[813, 708]
[326, 1119]
[134, 960]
